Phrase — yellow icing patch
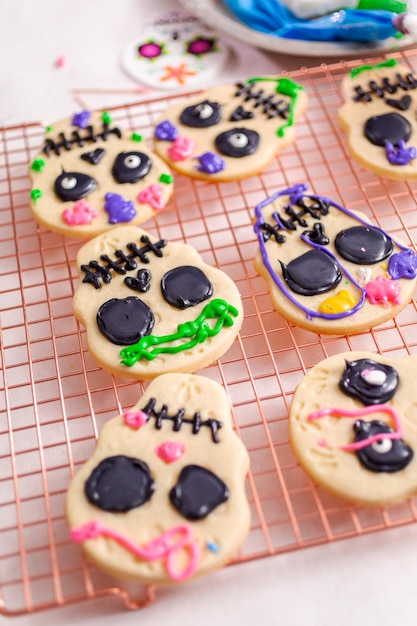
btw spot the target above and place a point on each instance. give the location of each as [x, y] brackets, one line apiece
[342, 301]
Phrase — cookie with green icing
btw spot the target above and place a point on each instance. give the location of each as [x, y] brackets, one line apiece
[379, 118]
[91, 176]
[231, 131]
[152, 306]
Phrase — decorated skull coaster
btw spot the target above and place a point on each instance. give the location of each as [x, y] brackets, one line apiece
[151, 306]
[353, 426]
[91, 176]
[327, 268]
[162, 499]
[379, 117]
[231, 131]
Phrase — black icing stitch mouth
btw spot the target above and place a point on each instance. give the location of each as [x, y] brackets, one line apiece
[78, 139]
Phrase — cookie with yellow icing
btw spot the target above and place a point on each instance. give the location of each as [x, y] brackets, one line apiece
[353, 426]
[162, 498]
[231, 131]
[327, 268]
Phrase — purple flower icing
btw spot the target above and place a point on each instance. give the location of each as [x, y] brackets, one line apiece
[166, 131]
[119, 209]
[403, 265]
[81, 119]
[211, 163]
[400, 155]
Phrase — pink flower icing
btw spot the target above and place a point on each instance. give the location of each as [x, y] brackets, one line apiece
[182, 149]
[170, 451]
[383, 290]
[164, 547]
[80, 213]
[135, 419]
[152, 195]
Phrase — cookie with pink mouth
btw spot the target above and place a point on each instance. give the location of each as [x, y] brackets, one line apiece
[353, 426]
[162, 499]
[231, 131]
[91, 175]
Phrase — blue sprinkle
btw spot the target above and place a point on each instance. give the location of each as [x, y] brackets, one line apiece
[213, 547]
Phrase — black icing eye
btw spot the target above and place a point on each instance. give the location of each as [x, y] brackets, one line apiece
[198, 492]
[119, 483]
[391, 127]
[185, 286]
[124, 321]
[363, 245]
[384, 455]
[369, 381]
[201, 115]
[312, 273]
[239, 142]
[130, 167]
[74, 186]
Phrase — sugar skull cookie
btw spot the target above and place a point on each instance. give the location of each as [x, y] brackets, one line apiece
[162, 499]
[91, 175]
[230, 131]
[151, 306]
[379, 117]
[353, 426]
[327, 268]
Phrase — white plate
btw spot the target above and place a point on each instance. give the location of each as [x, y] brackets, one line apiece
[216, 14]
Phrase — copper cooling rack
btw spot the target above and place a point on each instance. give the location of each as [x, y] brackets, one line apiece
[54, 400]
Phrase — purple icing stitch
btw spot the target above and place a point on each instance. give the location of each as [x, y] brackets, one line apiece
[296, 193]
[119, 209]
[166, 131]
[81, 119]
[403, 265]
[211, 163]
[400, 156]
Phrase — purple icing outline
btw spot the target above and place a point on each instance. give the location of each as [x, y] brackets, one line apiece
[295, 193]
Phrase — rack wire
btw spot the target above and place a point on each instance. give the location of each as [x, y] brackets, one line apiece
[54, 399]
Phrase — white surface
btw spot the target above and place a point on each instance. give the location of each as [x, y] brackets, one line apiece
[217, 15]
[370, 580]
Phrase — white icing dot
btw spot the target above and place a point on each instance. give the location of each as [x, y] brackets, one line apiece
[205, 111]
[374, 377]
[238, 140]
[69, 182]
[382, 446]
[132, 161]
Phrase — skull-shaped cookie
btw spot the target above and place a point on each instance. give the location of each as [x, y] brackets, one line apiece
[328, 269]
[91, 175]
[353, 426]
[150, 306]
[162, 499]
[231, 131]
[380, 120]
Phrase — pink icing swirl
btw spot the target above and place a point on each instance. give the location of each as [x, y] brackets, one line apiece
[358, 445]
[135, 419]
[80, 213]
[152, 195]
[182, 149]
[164, 547]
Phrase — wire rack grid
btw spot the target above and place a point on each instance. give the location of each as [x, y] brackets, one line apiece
[54, 399]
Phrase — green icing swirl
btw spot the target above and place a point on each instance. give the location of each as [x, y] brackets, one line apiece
[286, 87]
[364, 68]
[195, 331]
